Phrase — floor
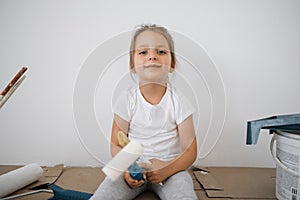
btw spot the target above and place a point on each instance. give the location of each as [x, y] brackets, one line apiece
[87, 179]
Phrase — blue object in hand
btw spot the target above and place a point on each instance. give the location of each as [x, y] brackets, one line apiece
[136, 171]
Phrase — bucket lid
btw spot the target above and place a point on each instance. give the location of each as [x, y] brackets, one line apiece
[293, 129]
[289, 123]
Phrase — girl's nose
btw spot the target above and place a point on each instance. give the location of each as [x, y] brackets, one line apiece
[152, 55]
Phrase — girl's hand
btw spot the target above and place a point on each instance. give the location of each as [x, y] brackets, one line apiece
[157, 171]
[132, 183]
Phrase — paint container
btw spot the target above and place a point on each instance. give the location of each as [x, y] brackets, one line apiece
[287, 157]
[136, 171]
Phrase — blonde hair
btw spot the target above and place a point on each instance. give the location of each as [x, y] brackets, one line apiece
[158, 29]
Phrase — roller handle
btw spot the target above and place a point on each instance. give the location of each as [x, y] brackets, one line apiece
[60, 193]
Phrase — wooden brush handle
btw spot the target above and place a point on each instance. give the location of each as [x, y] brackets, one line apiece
[14, 80]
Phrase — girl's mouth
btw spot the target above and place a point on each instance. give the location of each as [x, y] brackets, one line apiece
[154, 65]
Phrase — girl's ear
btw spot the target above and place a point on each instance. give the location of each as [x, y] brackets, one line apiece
[132, 70]
[172, 69]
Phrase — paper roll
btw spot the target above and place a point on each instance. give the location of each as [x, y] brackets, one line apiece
[19, 178]
[120, 162]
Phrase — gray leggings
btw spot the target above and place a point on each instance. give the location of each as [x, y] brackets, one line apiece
[178, 186]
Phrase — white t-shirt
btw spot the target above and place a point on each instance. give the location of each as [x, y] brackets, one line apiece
[154, 126]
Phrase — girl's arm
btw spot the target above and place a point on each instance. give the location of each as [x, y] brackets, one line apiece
[159, 170]
[119, 124]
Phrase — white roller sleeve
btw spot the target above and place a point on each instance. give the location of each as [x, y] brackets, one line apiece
[120, 162]
[19, 178]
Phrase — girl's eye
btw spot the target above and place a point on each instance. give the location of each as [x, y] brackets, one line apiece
[142, 52]
[161, 52]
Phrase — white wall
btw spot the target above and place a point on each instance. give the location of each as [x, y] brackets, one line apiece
[254, 44]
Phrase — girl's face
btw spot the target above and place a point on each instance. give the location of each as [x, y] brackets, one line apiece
[152, 58]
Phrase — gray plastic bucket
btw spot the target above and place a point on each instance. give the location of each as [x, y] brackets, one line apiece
[287, 158]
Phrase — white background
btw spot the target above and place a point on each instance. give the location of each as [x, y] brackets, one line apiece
[254, 44]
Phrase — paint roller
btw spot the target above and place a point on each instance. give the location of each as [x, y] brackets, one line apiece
[19, 178]
[124, 159]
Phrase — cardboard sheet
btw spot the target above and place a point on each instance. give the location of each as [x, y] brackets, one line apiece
[238, 182]
[50, 175]
[83, 179]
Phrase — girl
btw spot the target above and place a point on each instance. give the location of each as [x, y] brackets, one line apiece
[159, 117]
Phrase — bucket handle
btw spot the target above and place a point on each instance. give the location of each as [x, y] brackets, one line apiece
[283, 166]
